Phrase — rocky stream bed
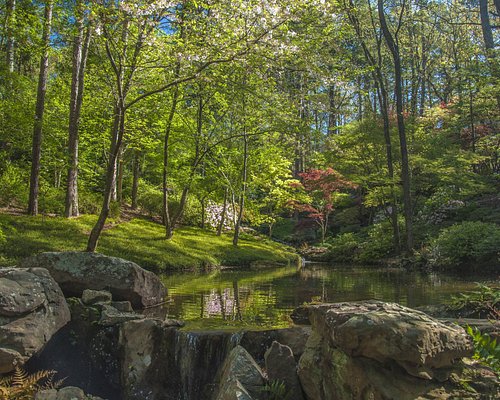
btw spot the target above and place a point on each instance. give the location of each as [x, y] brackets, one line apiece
[82, 315]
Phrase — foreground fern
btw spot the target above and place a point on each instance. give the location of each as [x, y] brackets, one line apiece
[486, 349]
[23, 386]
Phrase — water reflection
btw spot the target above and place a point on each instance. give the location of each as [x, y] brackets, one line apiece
[266, 297]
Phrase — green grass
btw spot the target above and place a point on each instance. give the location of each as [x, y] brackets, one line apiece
[138, 240]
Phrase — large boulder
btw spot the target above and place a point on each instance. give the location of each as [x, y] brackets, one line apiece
[377, 350]
[32, 309]
[241, 377]
[76, 271]
[282, 368]
[390, 332]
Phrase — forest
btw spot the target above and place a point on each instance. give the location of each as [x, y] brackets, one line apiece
[355, 130]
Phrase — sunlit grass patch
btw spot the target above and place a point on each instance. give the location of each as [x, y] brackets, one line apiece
[138, 240]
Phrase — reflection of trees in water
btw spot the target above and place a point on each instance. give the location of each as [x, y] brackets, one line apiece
[267, 298]
[218, 302]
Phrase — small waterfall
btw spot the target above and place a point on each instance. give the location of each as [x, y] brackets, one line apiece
[187, 363]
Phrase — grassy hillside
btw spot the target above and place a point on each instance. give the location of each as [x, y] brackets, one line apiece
[138, 240]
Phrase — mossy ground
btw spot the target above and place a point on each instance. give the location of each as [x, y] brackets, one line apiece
[138, 240]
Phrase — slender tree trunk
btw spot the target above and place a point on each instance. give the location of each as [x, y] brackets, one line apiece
[10, 15]
[471, 118]
[223, 215]
[405, 169]
[80, 52]
[423, 73]
[176, 217]
[489, 42]
[168, 129]
[383, 98]
[135, 181]
[39, 111]
[119, 180]
[243, 191]
[390, 165]
[114, 180]
[116, 142]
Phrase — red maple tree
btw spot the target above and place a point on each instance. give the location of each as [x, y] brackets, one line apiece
[322, 187]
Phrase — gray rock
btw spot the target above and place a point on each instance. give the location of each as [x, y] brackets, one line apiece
[138, 346]
[71, 393]
[124, 306]
[381, 351]
[27, 323]
[233, 390]
[66, 393]
[240, 367]
[77, 271]
[49, 394]
[281, 367]
[111, 316]
[388, 331]
[90, 297]
[173, 322]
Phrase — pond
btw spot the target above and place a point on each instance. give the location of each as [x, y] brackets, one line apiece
[264, 298]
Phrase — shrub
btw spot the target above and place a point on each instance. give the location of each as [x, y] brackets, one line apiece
[13, 186]
[51, 200]
[486, 349]
[114, 210]
[150, 198]
[481, 303]
[467, 242]
[379, 244]
[89, 202]
[343, 248]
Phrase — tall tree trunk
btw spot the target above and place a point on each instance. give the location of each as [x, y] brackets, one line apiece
[384, 108]
[116, 142]
[223, 215]
[39, 111]
[423, 74]
[489, 43]
[168, 129]
[243, 190]
[383, 99]
[405, 168]
[135, 181]
[10, 15]
[80, 52]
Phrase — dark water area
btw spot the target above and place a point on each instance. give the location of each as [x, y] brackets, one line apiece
[265, 297]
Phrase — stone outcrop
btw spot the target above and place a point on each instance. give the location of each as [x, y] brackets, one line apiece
[66, 393]
[240, 373]
[96, 296]
[281, 367]
[32, 309]
[379, 351]
[77, 271]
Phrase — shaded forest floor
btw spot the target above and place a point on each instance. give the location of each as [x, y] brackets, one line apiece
[136, 239]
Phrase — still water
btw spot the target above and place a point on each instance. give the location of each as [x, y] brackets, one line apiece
[265, 298]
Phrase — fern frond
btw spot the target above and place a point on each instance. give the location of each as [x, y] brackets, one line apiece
[19, 377]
